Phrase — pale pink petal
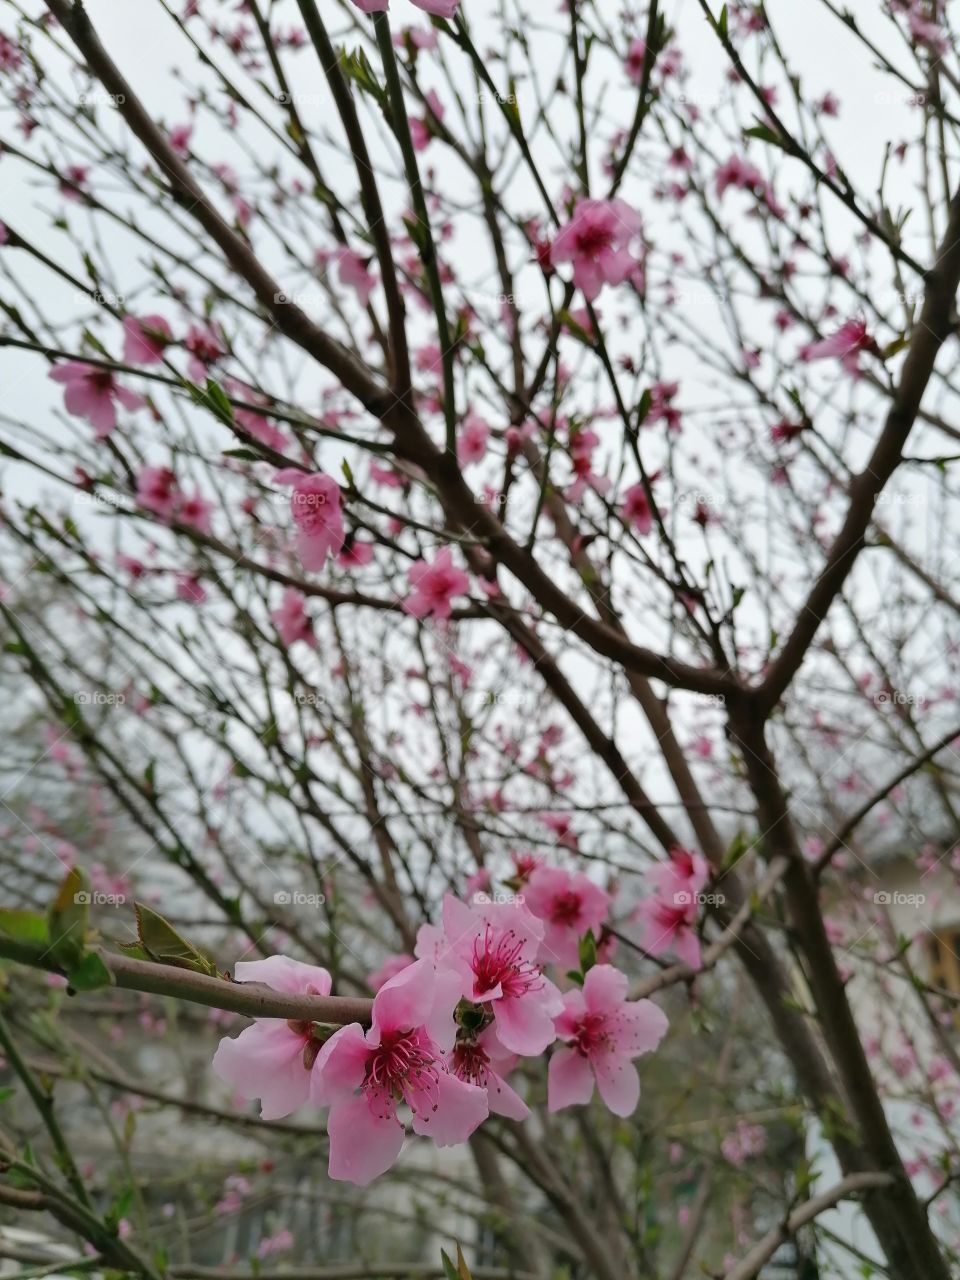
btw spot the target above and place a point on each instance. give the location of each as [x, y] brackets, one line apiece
[362, 1145]
[283, 974]
[604, 989]
[265, 1061]
[340, 1066]
[569, 1080]
[459, 1108]
[638, 1027]
[524, 1026]
[504, 1099]
[405, 1001]
[618, 1083]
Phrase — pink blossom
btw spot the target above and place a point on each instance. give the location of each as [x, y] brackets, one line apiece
[472, 441]
[179, 138]
[145, 339]
[484, 1062]
[845, 345]
[157, 491]
[4, 233]
[605, 1032]
[494, 948]
[440, 8]
[196, 511]
[205, 348]
[10, 55]
[596, 240]
[636, 509]
[355, 274]
[363, 1076]
[91, 392]
[738, 172]
[636, 56]
[256, 425]
[315, 506]
[291, 619]
[355, 554]
[686, 872]
[746, 1140]
[569, 904]
[669, 926]
[190, 588]
[435, 583]
[272, 1059]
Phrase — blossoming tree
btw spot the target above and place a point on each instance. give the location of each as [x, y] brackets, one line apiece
[477, 577]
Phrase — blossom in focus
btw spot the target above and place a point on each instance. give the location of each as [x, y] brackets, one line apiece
[604, 1032]
[485, 1063]
[91, 392]
[494, 947]
[364, 1076]
[596, 241]
[272, 1059]
[315, 506]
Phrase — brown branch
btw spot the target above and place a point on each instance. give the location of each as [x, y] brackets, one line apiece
[764, 1249]
[250, 998]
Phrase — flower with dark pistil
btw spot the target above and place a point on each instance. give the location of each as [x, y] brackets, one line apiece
[494, 947]
[604, 1032]
[365, 1076]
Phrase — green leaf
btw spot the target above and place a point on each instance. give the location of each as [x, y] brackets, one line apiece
[643, 407]
[722, 22]
[24, 926]
[588, 951]
[245, 455]
[67, 919]
[164, 945]
[219, 400]
[463, 1271]
[89, 974]
[764, 133]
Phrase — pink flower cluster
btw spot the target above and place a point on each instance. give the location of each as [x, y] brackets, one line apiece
[669, 916]
[597, 242]
[449, 1025]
